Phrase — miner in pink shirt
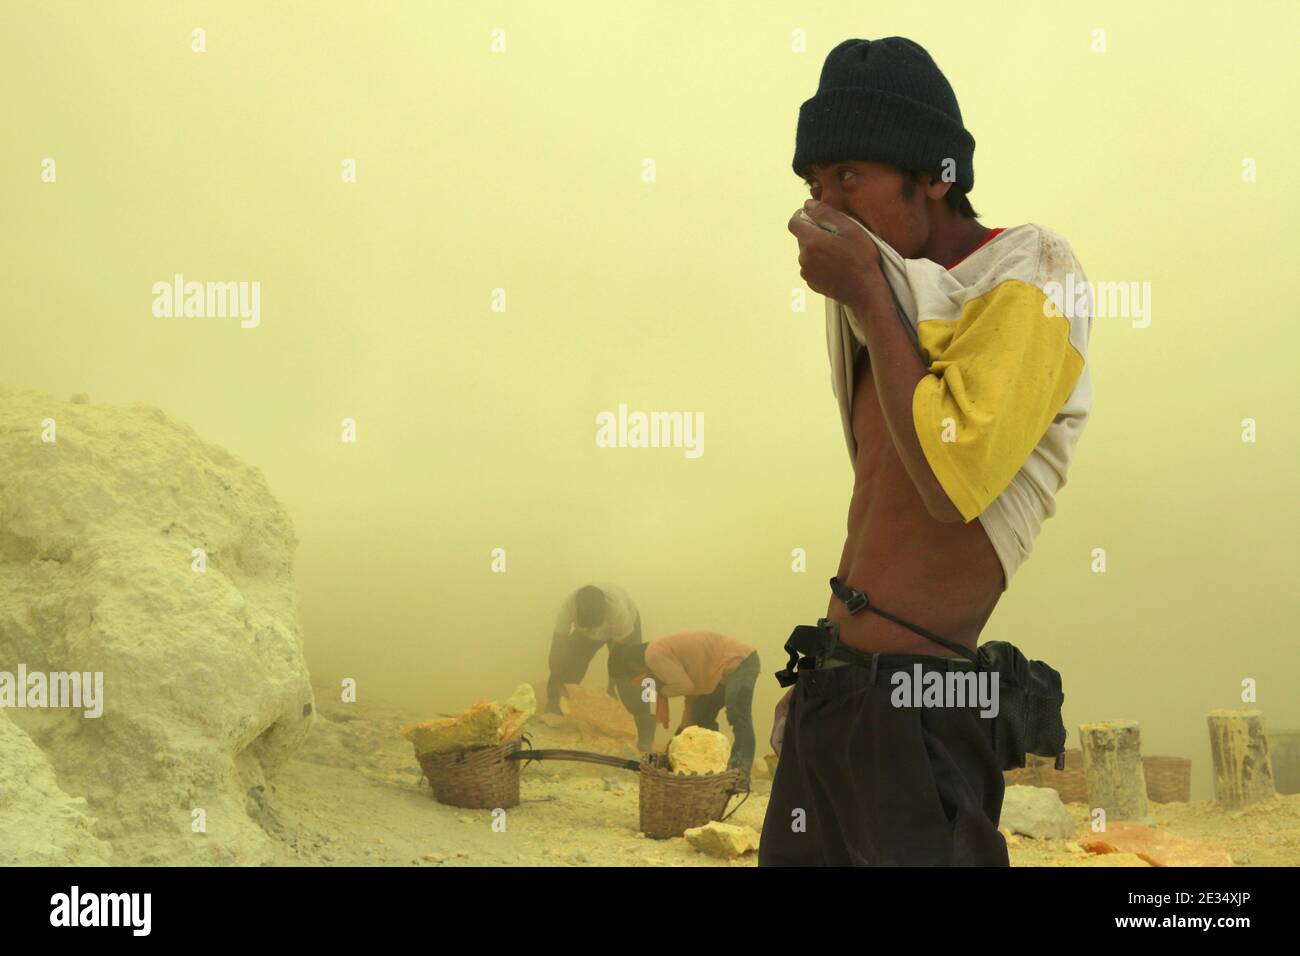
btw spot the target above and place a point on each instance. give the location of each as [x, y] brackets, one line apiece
[711, 671]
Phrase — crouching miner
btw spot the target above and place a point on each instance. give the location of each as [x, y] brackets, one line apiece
[712, 672]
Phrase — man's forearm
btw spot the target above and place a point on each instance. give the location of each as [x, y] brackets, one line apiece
[897, 369]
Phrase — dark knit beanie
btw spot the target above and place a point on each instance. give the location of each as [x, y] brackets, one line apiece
[884, 101]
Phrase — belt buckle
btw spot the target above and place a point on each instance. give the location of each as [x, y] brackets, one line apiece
[833, 630]
[858, 602]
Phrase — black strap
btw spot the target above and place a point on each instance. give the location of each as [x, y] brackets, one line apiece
[856, 602]
[579, 755]
[804, 639]
[731, 794]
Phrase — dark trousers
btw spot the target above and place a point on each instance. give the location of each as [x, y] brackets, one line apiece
[736, 694]
[861, 782]
[575, 656]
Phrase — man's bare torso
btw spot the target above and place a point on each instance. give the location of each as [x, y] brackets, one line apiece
[944, 577]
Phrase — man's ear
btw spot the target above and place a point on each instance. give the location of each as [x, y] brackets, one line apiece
[935, 188]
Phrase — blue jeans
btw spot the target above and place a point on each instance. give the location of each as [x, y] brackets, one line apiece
[736, 694]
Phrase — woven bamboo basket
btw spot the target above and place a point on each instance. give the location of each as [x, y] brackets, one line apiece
[1041, 772]
[1169, 779]
[672, 803]
[482, 779]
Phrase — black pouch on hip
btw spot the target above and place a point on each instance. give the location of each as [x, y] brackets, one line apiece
[1029, 692]
[1029, 706]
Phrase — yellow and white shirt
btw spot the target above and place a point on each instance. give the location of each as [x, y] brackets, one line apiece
[1008, 393]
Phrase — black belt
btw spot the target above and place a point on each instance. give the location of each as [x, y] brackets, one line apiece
[822, 642]
[1029, 718]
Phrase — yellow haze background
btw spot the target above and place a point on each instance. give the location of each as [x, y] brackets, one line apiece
[524, 170]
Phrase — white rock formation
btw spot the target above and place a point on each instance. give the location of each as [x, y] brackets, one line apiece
[205, 688]
[1036, 812]
[40, 825]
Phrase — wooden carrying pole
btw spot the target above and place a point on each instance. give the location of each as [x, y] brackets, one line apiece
[1112, 767]
[1239, 751]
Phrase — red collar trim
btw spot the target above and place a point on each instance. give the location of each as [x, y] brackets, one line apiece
[983, 242]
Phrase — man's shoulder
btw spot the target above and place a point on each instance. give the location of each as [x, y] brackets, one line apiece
[617, 596]
[1031, 253]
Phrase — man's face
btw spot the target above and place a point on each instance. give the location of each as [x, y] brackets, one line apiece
[872, 193]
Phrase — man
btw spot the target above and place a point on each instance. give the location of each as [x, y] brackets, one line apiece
[962, 392]
[711, 671]
[590, 618]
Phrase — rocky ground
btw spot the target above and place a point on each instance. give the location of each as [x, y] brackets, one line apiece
[354, 795]
[1262, 835]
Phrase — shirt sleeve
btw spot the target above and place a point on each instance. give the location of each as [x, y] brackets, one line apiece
[671, 679]
[623, 623]
[998, 376]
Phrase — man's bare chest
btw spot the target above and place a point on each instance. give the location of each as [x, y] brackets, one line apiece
[877, 458]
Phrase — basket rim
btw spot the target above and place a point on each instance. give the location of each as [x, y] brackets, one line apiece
[710, 778]
[649, 768]
[457, 756]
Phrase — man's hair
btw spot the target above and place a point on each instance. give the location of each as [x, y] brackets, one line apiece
[589, 603]
[957, 201]
[626, 660]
